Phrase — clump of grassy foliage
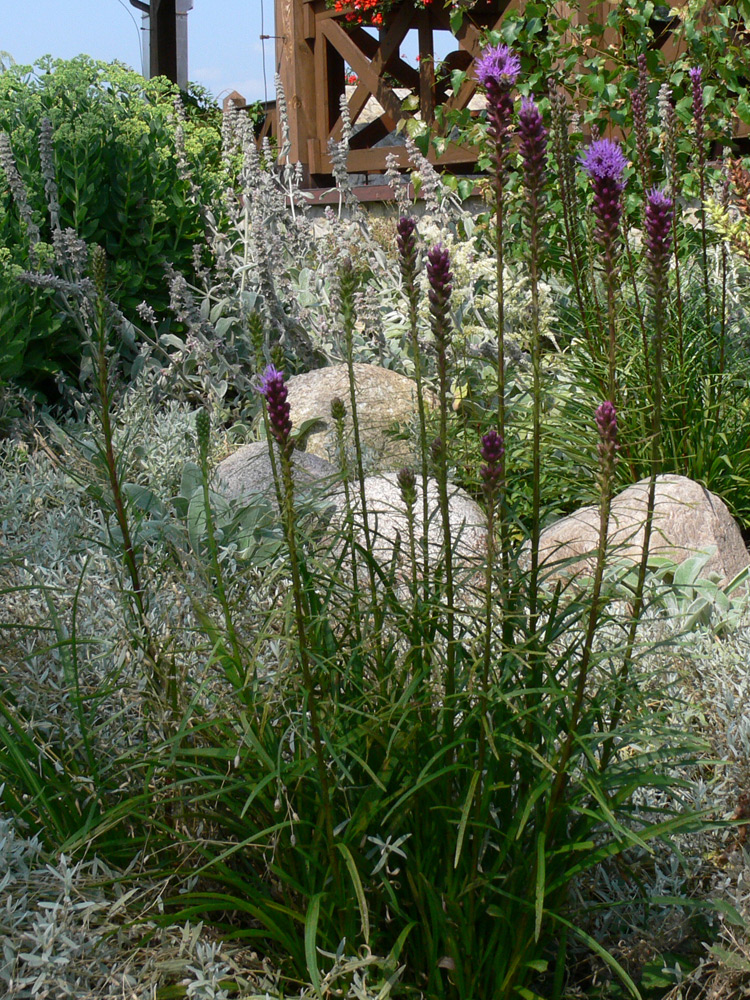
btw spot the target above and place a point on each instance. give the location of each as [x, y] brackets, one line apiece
[391, 786]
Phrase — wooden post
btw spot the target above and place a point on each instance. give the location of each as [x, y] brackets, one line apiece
[295, 30]
[163, 28]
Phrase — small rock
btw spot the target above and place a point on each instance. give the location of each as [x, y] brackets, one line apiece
[387, 522]
[248, 471]
[687, 520]
[386, 400]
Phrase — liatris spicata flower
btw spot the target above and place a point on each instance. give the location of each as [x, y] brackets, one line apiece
[497, 70]
[437, 451]
[407, 484]
[338, 410]
[492, 452]
[699, 110]
[606, 422]
[605, 162]
[405, 238]
[659, 208]
[274, 390]
[440, 278]
[406, 241]
[533, 149]
[203, 432]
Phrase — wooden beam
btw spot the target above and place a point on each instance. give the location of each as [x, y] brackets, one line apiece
[163, 39]
[295, 58]
[426, 68]
[344, 44]
[363, 161]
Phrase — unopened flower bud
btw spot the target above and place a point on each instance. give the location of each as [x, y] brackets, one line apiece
[407, 483]
[338, 410]
[203, 432]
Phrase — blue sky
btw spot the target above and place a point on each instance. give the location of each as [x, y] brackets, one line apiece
[225, 50]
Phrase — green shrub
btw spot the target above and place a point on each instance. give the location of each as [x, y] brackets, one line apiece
[119, 186]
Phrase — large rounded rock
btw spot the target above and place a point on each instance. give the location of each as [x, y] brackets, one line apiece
[687, 520]
[389, 525]
[386, 404]
[248, 471]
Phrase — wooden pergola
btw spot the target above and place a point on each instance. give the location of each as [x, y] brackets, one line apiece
[314, 44]
[313, 48]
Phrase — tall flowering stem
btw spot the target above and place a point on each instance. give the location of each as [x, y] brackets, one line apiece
[606, 425]
[493, 453]
[348, 283]
[273, 389]
[497, 71]
[605, 162]
[658, 240]
[406, 240]
[668, 123]
[658, 237]
[440, 279]
[203, 434]
[699, 124]
[533, 146]
[638, 105]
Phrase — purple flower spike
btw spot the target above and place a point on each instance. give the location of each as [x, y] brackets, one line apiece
[492, 451]
[440, 278]
[274, 390]
[605, 162]
[497, 70]
[498, 66]
[606, 422]
[439, 269]
[659, 209]
[405, 228]
[699, 111]
[533, 144]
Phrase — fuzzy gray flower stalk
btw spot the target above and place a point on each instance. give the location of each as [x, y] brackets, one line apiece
[17, 188]
[47, 161]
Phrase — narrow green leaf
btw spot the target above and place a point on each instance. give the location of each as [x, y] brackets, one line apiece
[311, 934]
[603, 954]
[541, 877]
[359, 891]
[465, 817]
